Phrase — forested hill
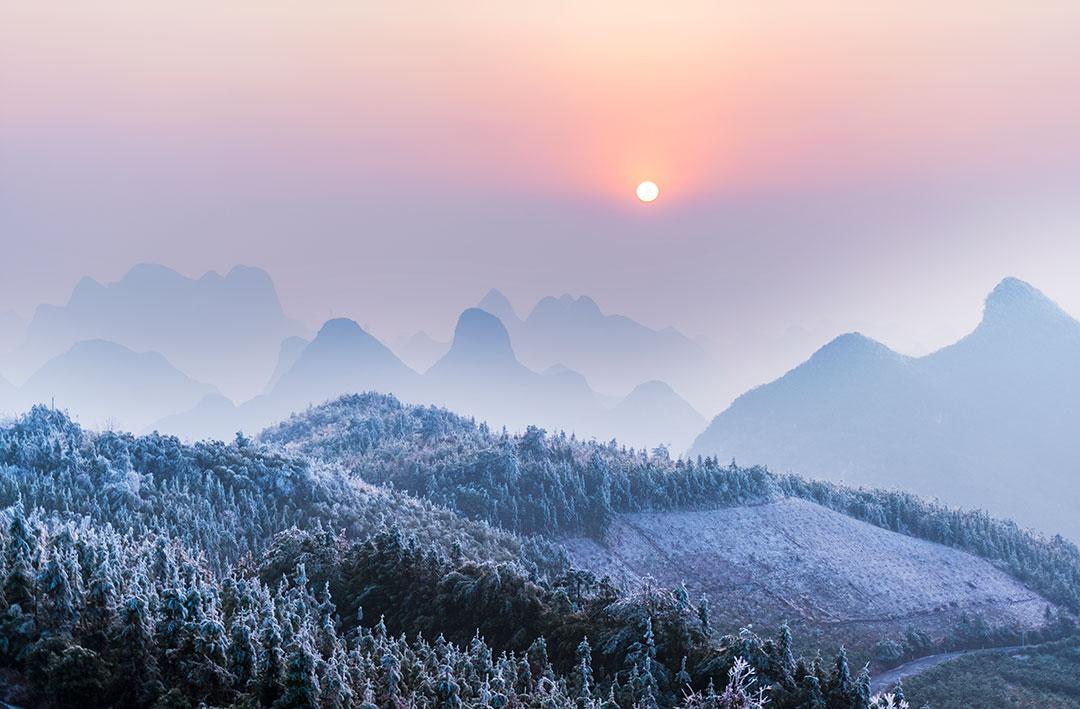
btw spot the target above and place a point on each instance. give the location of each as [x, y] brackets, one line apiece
[559, 486]
[532, 483]
[138, 571]
[227, 501]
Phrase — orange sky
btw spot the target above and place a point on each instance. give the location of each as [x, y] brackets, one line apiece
[563, 96]
[847, 150]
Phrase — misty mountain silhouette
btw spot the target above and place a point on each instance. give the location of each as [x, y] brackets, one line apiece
[104, 383]
[614, 352]
[221, 329]
[8, 403]
[653, 412]
[343, 357]
[498, 305]
[992, 420]
[291, 348]
[420, 350]
[479, 375]
[11, 330]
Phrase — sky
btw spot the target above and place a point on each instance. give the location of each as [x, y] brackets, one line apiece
[850, 165]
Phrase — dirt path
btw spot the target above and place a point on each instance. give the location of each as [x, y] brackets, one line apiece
[886, 680]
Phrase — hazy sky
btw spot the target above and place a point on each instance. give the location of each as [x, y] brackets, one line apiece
[872, 165]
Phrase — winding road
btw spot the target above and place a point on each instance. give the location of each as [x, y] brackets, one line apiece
[886, 680]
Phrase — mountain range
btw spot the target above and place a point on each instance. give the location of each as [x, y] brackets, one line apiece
[990, 421]
[614, 352]
[221, 329]
[479, 375]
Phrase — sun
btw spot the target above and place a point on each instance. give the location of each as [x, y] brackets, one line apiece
[647, 191]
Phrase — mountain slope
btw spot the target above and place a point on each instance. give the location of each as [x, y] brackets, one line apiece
[796, 562]
[991, 421]
[221, 329]
[106, 383]
[341, 359]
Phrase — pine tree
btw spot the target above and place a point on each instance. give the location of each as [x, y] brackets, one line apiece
[860, 698]
[137, 667]
[785, 654]
[583, 680]
[271, 675]
[705, 615]
[242, 654]
[58, 598]
[301, 687]
[840, 686]
[898, 692]
[682, 678]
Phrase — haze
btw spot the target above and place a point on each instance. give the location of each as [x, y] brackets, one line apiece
[847, 167]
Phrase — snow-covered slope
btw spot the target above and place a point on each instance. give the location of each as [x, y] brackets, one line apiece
[795, 561]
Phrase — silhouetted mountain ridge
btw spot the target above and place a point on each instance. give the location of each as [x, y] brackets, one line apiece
[991, 420]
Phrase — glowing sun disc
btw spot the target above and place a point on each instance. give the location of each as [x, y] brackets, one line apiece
[647, 191]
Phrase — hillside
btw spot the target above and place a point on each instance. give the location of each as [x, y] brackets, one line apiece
[138, 571]
[719, 522]
[990, 421]
[796, 562]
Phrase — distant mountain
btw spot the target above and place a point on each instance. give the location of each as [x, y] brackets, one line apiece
[11, 330]
[482, 376]
[990, 421]
[221, 329]
[341, 359]
[614, 352]
[420, 350]
[108, 385]
[291, 348]
[498, 305]
[653, 413]
[479, 375]
[8, 402]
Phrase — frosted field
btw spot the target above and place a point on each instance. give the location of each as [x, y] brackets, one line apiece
[797, 562]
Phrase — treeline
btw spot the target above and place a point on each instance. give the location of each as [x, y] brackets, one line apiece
[556, 485]
[226, 501]
[91, 617]
[533, 483]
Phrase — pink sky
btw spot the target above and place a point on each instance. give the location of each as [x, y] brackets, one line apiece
[849, 150]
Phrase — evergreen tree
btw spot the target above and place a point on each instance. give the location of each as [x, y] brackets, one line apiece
[301, 689]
